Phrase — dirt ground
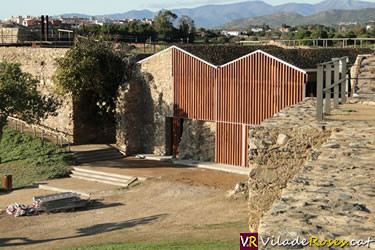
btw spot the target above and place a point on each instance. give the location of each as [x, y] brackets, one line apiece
[190, 204]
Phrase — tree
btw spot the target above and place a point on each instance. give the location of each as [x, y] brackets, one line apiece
[186, 28]
[19, 96]
[349, 34]
[316, 34]
[163, 24]
[302, 34]
[358, 31]
[92, 72]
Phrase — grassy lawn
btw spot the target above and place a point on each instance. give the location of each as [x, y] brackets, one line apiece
[24, 157]
[197, 245]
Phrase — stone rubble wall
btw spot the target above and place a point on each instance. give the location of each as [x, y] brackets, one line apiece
[41, 63]
[144, 108]
[332, 195]
[355, 70]
[198, 141]
[278, 150]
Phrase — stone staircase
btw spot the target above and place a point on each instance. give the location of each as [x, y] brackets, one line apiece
[98, 155]
[102, 177]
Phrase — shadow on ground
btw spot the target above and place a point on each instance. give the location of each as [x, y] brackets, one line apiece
[83, 232]
[133, 163]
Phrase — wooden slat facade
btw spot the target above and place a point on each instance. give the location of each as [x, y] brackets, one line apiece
[231, 144]
[256, 87]
[194, 88]
[242, 93]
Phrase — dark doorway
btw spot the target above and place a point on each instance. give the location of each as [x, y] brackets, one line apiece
[176, 135]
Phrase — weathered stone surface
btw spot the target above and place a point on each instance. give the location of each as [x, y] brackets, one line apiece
[144, 106]
[275, 159]
[332, 196]
[198, 140]
[41, 63]
[282, 139]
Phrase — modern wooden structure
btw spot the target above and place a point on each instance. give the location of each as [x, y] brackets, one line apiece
[236, 96]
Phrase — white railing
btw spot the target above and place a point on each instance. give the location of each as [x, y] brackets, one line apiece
[338, 67]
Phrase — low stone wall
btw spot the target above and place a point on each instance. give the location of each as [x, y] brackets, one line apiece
[278, 150]
[198, 141]
[41, 63]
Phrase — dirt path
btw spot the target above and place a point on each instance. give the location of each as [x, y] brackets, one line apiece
[185, 206]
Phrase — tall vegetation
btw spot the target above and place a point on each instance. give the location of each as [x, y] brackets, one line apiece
[19, 96]
[92, 72]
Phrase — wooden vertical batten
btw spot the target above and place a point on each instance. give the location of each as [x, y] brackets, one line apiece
[236, 95]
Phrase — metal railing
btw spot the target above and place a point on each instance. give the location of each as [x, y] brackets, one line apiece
[338, 67]
[44, 133]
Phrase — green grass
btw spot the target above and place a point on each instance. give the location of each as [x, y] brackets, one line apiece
[28, 160]
[196, 245]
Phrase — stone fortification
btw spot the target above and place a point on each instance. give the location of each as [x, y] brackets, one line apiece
[41, 63]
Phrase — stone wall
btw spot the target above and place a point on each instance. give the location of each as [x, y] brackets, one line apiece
[198, 140]
[144, 106]
[9, 35]
[40, 62]
[332, 197]
[278, 150]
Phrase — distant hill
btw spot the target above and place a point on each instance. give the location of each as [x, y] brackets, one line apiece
[215, 15]
[138, 14]
[325, 18]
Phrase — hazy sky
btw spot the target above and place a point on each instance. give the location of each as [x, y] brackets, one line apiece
[96, 7]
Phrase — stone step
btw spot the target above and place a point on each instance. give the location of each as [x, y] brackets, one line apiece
[99, 158]
[98, 155]
[115, 183]
[101, 173]
[103, 177]
[96, 152]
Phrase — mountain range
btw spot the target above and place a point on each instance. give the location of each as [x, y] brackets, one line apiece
[325, 18]
[214, 15]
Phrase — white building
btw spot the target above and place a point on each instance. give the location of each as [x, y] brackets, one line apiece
[231, 32]
[256, 29]
[17, 20]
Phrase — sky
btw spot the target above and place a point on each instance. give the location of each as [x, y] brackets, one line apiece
[98, 7]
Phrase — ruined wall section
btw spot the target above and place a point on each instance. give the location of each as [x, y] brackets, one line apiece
[41, 63]
[198, 141]
[143, 107]
[278, 150]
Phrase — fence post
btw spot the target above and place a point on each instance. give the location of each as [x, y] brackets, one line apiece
[329, 90]
[336, 87]
[344, 83]
[319, 93]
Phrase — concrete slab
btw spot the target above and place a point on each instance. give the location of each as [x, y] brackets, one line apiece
[141, 168]
[90, 147]
[154, 157]
[81, 187]
[192, 163]
[214, 166]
